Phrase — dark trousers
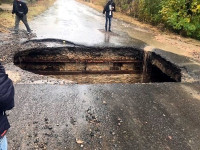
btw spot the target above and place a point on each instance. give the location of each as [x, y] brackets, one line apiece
[108, 19]
[24, 20]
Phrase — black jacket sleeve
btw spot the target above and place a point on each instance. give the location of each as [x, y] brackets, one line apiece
[6, 91]
[14, 7]
[25, 8]
[105, 8]
[113, 4]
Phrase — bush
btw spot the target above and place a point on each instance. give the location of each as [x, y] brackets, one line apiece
[182, 16]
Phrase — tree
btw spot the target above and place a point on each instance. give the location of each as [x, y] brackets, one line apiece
[182, 16]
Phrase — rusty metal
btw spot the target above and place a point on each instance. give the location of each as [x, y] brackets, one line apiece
[86, 72]
[38, 60]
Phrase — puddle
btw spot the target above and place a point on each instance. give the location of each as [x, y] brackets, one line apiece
[98, 65]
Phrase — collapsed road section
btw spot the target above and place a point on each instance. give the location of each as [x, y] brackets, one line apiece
[98, 65]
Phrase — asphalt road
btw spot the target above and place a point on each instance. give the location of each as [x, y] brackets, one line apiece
[75, 22]
[113, 116]
[156, 116]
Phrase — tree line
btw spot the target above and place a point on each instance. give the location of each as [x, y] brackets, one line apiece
[181, 16]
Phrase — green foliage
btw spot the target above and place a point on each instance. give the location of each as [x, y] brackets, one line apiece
[145, 10]
[182, 16]
[124, 5]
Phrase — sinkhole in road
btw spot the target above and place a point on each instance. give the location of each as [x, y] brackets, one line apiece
[98, 65]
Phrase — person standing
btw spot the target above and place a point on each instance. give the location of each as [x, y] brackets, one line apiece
[108, 9]
[6, 103]
[20, 9]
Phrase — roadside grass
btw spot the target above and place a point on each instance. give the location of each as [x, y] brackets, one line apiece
[7, 19]
[99, 2]
[39, 7]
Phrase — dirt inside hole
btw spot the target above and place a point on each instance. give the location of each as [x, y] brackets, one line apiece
[93, 65]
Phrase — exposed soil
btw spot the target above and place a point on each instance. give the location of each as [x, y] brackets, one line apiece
[11, 44]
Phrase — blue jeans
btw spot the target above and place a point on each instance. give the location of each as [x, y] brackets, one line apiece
[3, 143]
[108, 19]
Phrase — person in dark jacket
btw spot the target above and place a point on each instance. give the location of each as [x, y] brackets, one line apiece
[6, 103]
[108, 9]
[20, 9]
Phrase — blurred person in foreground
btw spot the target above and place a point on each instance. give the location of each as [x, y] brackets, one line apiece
[6, 103]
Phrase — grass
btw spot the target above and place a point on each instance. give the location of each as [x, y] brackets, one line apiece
[7, 19]
[39, 7]
[99, 2]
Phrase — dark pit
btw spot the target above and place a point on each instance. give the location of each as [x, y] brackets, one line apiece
[98, 65]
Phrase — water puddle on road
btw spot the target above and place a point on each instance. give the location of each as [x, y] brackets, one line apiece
[98, 65]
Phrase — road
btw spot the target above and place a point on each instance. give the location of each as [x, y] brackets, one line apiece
[73, 21]
[154, 116]
[118, 116]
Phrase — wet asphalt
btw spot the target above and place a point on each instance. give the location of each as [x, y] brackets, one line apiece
[109, 116]
[154, 116]
[75, 22]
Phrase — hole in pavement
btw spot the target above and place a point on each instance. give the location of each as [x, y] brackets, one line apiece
[98, 65]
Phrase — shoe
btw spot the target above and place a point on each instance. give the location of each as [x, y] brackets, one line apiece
[15, 32]
[109, 30]
[29, 32]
